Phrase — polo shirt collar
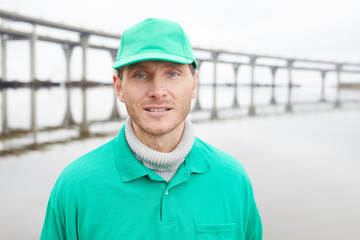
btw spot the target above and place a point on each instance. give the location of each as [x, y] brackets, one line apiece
[196, 161]
[130, 168]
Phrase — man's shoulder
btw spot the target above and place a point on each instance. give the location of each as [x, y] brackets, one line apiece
[218, 159]
[88, 164]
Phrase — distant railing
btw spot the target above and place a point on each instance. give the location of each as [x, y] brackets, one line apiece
[215, 56]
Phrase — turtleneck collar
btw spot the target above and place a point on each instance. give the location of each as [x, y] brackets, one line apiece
[160, 161]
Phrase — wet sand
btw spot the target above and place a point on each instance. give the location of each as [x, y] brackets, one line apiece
[304, 169]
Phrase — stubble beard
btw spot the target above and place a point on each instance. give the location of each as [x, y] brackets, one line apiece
[178, 121]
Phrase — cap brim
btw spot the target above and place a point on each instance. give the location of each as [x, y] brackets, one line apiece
[149, 57]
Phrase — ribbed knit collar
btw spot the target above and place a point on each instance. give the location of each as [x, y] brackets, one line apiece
[158, 160]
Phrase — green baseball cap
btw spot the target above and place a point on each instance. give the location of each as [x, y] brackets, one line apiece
[154, 39]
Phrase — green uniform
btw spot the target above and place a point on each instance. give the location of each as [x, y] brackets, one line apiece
[109, 194]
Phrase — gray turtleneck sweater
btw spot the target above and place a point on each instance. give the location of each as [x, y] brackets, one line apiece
[164, 164]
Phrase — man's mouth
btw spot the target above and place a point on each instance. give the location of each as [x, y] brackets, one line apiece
[157, 109]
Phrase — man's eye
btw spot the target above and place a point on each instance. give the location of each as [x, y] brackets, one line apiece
[140, 76]
[173, 74]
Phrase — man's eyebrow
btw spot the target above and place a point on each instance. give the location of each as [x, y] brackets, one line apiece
[139, 65]
[136, 66]
[173, 64]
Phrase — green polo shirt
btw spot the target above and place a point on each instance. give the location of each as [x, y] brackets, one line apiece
[109, 194]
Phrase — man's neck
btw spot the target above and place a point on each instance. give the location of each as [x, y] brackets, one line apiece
[161, 143]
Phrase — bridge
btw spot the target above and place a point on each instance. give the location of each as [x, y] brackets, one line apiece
[214, 56]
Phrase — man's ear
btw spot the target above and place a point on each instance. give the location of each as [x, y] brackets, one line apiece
[118, 88]
[196, 85]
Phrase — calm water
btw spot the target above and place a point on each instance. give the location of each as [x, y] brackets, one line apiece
[51, 103]
[51, 107]
[304, 169]
[304, 166]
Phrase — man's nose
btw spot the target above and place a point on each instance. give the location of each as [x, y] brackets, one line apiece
[158, 88]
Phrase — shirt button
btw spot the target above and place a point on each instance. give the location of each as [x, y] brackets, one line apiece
[167, 192]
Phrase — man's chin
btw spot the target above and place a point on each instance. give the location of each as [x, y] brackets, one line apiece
[157, 127]
[157, 131]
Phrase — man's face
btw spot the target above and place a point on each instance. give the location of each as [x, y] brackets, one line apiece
[157, 94]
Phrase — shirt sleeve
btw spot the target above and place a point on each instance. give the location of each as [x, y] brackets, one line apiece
[254, 229]
[53, 227]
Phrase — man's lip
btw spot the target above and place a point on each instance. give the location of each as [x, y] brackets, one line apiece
[157, 109]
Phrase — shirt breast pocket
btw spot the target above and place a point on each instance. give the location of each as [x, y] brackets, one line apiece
[215, 231]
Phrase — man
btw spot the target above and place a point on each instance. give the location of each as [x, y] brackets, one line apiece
[155, 180]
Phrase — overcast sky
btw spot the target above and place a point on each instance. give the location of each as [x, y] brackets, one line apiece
[326, 29]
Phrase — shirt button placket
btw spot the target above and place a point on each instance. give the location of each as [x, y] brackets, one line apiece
[167, 207]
